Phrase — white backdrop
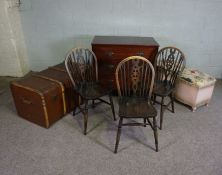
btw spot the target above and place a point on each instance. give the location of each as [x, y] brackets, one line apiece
[13, 56]
[52, 27]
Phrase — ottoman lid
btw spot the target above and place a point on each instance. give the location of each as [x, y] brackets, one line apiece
[196, 78]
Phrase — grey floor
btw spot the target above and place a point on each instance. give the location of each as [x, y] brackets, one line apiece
[189, 144]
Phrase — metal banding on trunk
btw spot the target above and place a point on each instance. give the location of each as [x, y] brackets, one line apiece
[42, 97]
[60, 84]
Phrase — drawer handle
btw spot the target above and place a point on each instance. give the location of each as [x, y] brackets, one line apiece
[26, 101]
[110, 54]
[110, 66]
[140, 54]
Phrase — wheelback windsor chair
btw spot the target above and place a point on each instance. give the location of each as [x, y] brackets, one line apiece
[134, 78]
[169, 62]
[81, 65]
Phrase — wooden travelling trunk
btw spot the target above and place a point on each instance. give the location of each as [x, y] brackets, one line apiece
[110, 50]
[38, 100]
[59, 67]
[58, 75]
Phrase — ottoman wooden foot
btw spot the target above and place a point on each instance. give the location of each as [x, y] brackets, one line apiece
[194, 109]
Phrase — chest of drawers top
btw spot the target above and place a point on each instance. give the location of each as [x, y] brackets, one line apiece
[124, 41]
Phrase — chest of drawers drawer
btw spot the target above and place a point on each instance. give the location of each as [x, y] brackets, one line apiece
[117, 53]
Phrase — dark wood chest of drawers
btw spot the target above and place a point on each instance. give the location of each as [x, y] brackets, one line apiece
[110, 50]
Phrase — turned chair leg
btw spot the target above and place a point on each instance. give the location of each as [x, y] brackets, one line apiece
[118, 134]
[161, 112]
[172, 102]
[74, 111]
[154, 99]
[93, 104]
[144, 121]
[77, 105]
[155, 133]
[85, 117]
[112, 106]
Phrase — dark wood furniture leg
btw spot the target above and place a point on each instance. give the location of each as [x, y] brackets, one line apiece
[161, 112]
[112, 106]
[85, 116]
[74, 111]
[154, 99]
[155, 133]
[93, 104]
[118, 134]
[172, 102]
[144, 121]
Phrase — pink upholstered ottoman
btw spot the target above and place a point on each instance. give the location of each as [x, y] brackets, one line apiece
[194, 88]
